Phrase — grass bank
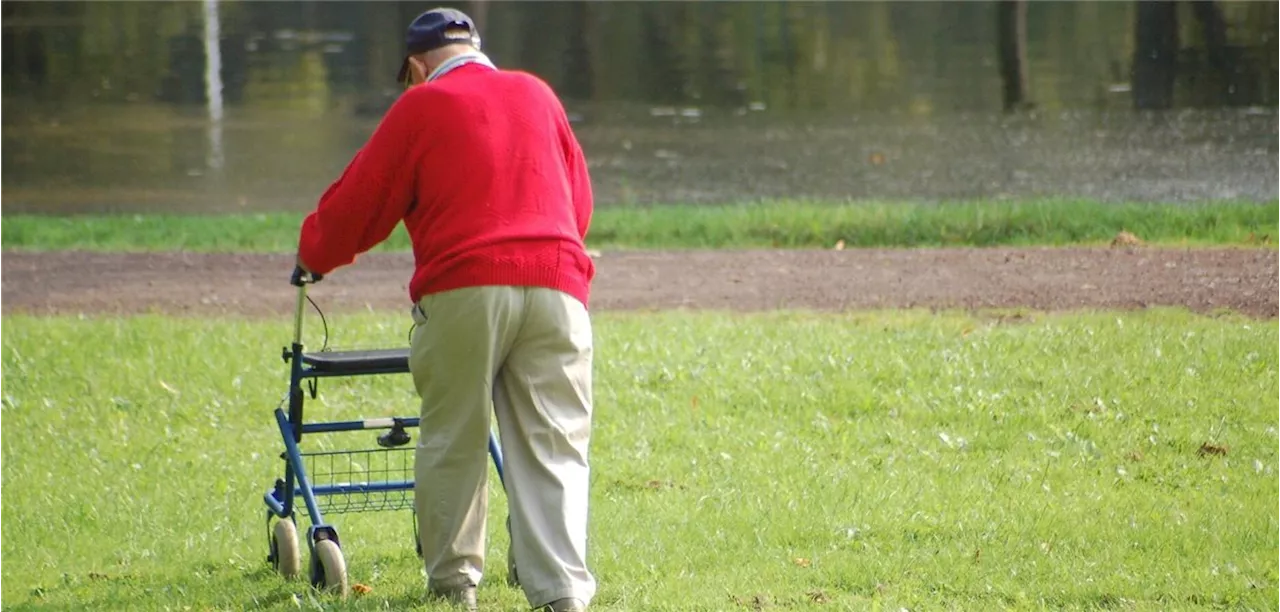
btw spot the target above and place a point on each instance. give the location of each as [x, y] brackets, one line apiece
[861, 461]
[787, 224]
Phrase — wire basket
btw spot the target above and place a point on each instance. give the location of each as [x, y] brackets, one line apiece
[361, 480]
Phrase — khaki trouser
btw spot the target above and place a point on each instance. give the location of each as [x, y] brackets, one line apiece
[527, 353]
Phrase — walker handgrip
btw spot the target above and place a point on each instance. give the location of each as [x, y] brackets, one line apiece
[301, 277]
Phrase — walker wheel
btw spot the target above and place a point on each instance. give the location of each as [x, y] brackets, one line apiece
[328, 568]
[285, 557]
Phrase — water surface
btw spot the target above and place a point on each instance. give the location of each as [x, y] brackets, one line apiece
[113, 106]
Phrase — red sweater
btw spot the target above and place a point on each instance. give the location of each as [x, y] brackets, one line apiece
[488, 178]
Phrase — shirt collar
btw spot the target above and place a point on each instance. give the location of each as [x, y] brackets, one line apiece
[469, 57]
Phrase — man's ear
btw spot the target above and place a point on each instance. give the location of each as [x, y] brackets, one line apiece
[418, 68]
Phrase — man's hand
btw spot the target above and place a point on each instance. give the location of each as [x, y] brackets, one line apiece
[302, 275]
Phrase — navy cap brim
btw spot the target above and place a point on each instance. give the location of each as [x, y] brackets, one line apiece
[404, 71]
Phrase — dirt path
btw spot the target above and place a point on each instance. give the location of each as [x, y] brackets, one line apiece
[1045, 279]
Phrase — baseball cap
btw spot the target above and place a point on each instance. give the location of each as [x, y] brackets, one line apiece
[427, 32]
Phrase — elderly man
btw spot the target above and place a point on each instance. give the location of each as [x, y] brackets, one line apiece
[481, 166]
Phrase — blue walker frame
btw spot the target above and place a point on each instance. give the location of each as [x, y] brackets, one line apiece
[280, 499]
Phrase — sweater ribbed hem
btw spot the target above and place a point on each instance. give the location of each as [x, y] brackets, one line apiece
[485, 275]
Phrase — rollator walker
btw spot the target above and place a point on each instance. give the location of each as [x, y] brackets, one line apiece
[336, 481]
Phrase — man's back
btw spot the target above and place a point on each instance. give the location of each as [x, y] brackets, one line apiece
[501, 183]
[488, 178]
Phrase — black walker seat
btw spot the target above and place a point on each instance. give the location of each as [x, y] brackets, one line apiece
[358, 362]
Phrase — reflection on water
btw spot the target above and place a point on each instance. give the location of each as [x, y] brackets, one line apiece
[113, 106]
[213, 82]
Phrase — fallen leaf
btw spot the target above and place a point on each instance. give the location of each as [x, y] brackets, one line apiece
[1124, 239]
[839, 245]
[876, 159]
[1134, 456]
[757, 602]
[818, 597]
[1209, 448]
[658, 485]
[361, 589]
[802, 562]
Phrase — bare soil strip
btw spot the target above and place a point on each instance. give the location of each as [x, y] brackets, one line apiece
[1050, 279]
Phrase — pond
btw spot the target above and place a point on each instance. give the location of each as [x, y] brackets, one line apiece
[112, 106]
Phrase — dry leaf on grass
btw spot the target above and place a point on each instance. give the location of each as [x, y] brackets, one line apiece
[818, 597]
[1208, 448]
[757, 602]
[660, 485]
[1124, 239]
[361, 589]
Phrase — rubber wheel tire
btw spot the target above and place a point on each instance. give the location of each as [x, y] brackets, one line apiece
[284, 549]
[332, 574]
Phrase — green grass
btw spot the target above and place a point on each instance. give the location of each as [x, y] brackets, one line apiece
[788, 460]
[791, 224]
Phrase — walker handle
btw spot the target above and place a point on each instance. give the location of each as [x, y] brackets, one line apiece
[300, 279]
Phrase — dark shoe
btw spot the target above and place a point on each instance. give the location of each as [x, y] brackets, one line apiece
[463, 597]
[564, 605]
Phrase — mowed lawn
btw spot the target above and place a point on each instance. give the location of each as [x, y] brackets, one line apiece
[786, 224]
[771, 461]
